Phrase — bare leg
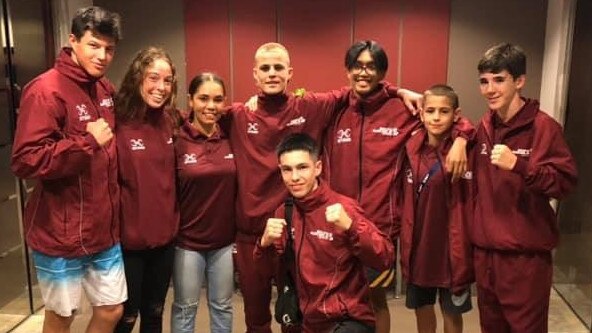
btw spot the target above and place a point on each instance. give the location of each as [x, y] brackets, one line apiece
[104, 318]
[453, 323]
[426, 319]
[54, 323]
[381, 310]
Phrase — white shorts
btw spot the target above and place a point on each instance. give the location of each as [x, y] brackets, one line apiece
[61, 280]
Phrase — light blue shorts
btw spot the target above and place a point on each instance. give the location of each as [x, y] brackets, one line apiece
[61, 280]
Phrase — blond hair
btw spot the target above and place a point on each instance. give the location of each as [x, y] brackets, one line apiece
[272, 47]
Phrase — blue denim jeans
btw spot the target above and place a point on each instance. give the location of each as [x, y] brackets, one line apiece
[191, 268]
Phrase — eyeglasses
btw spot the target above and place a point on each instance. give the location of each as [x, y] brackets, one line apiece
[357, 68]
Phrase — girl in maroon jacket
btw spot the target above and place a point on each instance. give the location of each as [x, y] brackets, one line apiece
[435, 248]
[206, 179]
[149, 214]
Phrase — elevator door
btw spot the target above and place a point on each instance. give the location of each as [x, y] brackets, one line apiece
[573, 258]
[24, 55]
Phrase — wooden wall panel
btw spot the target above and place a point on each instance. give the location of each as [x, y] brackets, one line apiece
[424, 55]
[222, 36]
[253, 23]
[317, 34]
[207, 38]
[379, 20]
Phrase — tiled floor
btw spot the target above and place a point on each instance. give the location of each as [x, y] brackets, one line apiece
[561, 319]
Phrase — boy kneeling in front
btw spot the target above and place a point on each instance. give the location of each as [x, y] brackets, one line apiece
[333, 242]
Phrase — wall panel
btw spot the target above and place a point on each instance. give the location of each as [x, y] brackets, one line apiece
[253, 23]
[424, 55]
[379, 20]
[317, 34]
[207, 38]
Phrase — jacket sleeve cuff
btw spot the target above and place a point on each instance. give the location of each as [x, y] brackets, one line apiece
[352, 233]
[90, 140]
[521, 167]
[259, 250]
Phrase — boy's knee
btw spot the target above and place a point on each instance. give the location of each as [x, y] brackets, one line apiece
[110, 313]
[57, 321]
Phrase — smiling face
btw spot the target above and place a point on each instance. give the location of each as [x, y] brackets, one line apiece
[364, 76]
[157, 85]
[93, 52]
[299, 172]
[207, 103]
[501, 90]
[272, 71]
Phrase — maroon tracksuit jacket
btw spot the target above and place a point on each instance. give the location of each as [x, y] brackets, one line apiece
[330, 262]
[149, 211]
[513, 211]
[435, 246]
[362, 146]
[206, 187]
[254, 137]
[74, 208]
[514, 227]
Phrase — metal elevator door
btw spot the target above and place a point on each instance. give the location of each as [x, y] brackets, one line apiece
[25, 37]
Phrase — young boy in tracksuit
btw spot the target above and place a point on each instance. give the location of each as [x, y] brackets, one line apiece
[436, 255]
[333, 242]
[521, 162]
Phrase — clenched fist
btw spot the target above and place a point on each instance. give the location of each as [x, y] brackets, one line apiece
[336, 214]
[100, 130]
[273, 231]
[503, 157]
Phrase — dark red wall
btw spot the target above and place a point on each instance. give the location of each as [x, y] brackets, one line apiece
[222, 36]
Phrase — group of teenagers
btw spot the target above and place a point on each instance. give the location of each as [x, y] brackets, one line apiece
[131, 192]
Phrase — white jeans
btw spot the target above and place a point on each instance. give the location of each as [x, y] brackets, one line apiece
[190, 270]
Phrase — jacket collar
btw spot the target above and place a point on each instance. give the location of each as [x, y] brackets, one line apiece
[314, 199]
[193, 133]
[65, 65]
[271, 103]
[523, 117]
[369, 103]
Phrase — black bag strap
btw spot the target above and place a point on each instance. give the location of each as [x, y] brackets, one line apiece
[289, 254]
[288, 207]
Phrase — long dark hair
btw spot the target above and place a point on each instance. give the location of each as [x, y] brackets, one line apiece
[129, 105]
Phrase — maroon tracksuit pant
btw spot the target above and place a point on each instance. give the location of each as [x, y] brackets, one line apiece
[513, 290]
[255, 280]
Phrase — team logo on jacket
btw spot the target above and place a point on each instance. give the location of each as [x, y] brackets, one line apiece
[82, 112]
[137, 144]
[468, 175]
[229, 156]
[344, 135]
[253, 128]
[296, 121]
[106, 102]
[189, 159]
[522, 152]
[386, 131]
[323, 235]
